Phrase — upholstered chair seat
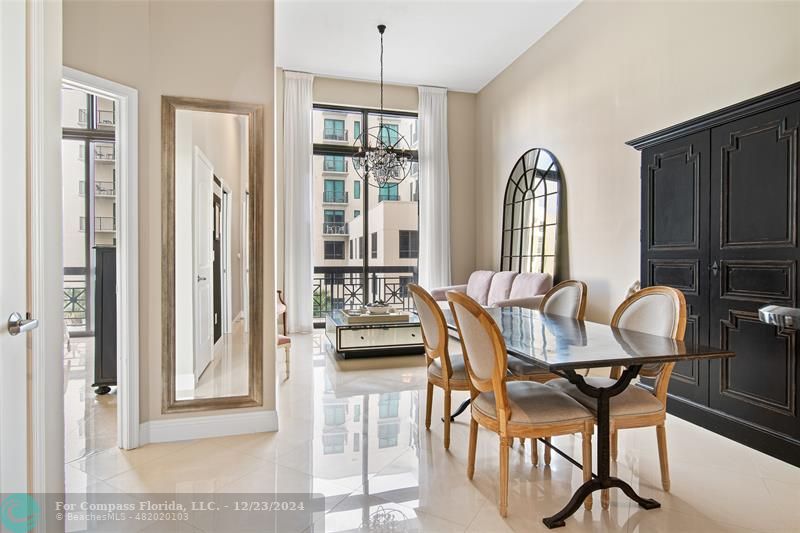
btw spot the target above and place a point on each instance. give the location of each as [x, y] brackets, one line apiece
[534, 404]
[457, 366]
[633, 401]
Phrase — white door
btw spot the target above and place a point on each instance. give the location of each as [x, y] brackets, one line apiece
[13, 242]
[203, 225]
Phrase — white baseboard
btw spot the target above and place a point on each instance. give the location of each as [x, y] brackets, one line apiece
[203, 427]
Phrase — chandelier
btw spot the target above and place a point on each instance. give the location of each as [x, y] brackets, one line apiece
[384, 156]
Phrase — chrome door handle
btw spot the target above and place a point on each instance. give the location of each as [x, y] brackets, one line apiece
[201, 278]
[17, 325]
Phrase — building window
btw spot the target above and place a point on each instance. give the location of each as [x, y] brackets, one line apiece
[333, 223]
[334, 192]
[334, 249]
[389, 133]
[351, 248]
[357, 413]
[334, 163]
[361, 247]
[409, 244]
[388, 192]
[332, 444]
[334, 130]
[373, 244]
[356, 190]
[356, 213]
[356, 129]
[389, 405]
[356, 442]
[387, 435]
[335, 415]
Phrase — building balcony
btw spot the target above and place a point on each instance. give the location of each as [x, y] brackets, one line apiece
[388, 197]
[335, 197]
[334, 134]
[334, 228]
[105, 189]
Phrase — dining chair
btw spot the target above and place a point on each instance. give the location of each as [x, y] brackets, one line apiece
[567, 299]
[657, 311]
[516, 409]
[445, 362]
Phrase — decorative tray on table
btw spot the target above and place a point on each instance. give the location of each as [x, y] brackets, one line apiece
[355, 316]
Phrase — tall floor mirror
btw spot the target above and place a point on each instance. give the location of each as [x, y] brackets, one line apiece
[212, 161]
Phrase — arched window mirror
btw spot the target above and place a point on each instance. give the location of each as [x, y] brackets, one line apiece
[531, 214]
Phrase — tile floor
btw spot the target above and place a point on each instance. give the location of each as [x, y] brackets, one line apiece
[353, 431]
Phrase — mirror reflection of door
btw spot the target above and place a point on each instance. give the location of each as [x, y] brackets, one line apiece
[203, 179]
[211, 255]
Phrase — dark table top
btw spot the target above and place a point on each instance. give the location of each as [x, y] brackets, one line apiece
[559, 343]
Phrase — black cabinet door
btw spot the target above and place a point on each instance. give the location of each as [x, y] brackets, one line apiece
[675, 192]
[754, 256]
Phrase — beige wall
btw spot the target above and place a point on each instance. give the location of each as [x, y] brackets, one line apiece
[607, 73]
[218, 50]
[461, 140]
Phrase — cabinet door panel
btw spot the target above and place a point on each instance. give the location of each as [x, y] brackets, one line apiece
[675, 192]
[754, 170]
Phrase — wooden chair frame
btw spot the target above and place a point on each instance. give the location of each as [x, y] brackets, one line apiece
[661, 374]
[441, 352]
[502, 424]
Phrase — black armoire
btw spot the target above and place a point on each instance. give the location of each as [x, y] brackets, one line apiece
[720, 223]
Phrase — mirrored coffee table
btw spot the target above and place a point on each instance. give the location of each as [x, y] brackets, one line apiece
[374, 338]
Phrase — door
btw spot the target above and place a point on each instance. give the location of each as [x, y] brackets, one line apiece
[13, 260]
[203, 227]
[246, 260]
[754, 256]
[675, 189]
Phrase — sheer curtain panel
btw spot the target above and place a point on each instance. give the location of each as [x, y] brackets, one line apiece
[299, 260]
[434, 189]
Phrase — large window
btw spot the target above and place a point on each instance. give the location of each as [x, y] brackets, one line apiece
[409, 244]
[334, 249]
[88, 162]
[358, 214]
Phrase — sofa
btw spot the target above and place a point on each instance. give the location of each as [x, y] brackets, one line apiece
[501, 289]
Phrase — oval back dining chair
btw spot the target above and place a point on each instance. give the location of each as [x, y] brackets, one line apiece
[445, 369]
[567, 299]
[657, 311]
[519, 409]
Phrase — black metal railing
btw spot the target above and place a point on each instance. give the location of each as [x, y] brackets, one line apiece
[335, 197]
[75, 305]
[334, 228]
[388, 197]
[335, 165]
[333, 134]
[343, 288]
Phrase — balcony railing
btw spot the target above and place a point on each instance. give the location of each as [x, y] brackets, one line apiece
[342, 288]
[334, 228]
[101, 188]
[75, 305]
[335, 166]
[335, 197]
[330, 134]
[388, 197]
[100, 224]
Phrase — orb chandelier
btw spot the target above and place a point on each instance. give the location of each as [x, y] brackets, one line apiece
[384, 156]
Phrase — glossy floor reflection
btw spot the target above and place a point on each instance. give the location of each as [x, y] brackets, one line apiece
[352, 430]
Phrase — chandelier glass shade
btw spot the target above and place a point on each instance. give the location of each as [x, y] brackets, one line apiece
[384, 156]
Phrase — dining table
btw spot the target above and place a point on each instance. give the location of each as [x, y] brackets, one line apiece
[567, 347]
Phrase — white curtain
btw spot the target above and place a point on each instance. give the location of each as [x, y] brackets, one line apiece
[434, 189]
[297, 153]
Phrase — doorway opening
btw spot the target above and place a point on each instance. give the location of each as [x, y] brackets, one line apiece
[100, 256]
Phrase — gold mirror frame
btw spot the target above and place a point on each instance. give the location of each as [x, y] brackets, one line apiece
[255, 114]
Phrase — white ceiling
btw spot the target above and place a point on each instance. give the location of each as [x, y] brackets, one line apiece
[458, 44]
